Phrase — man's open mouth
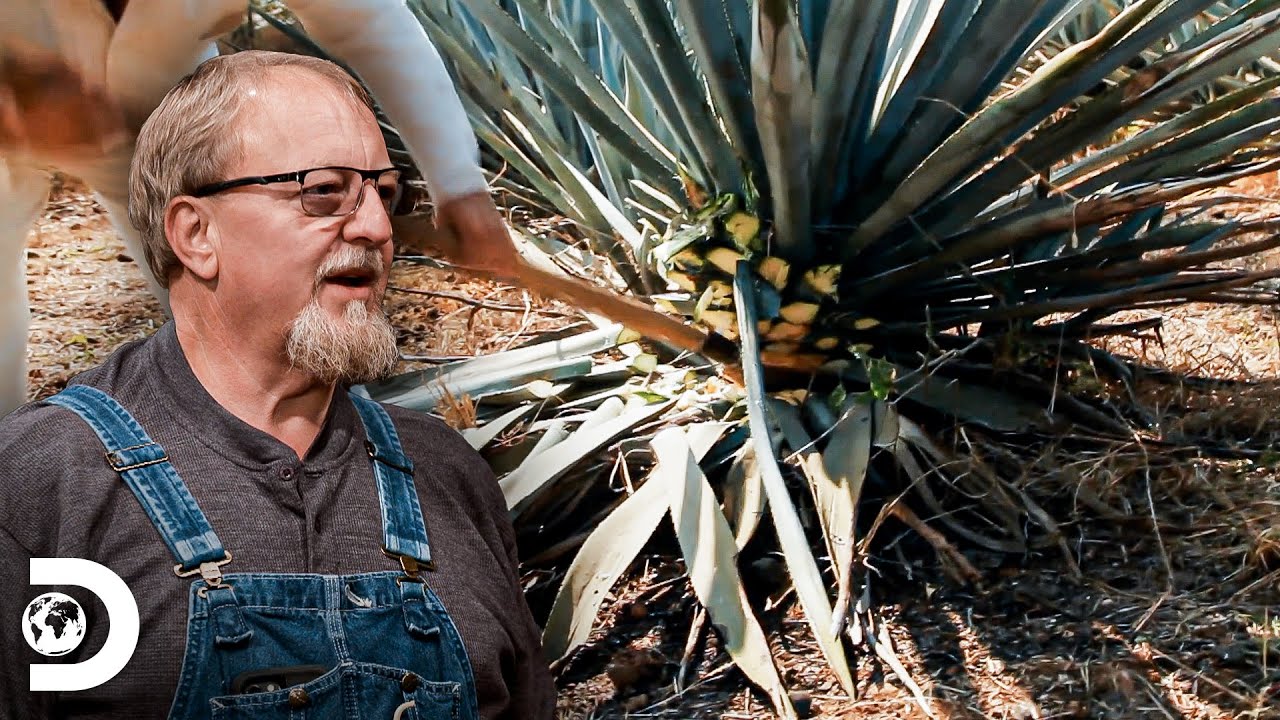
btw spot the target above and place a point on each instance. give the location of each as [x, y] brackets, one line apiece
[352, 278]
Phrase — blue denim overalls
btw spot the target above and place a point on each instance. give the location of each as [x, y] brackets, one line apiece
[387, 646]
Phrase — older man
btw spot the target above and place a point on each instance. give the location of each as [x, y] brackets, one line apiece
[133, 52]
[294, 550]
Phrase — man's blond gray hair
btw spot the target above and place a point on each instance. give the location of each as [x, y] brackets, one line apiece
[192, 137]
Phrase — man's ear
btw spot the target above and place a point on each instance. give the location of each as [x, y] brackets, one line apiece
[190, 234]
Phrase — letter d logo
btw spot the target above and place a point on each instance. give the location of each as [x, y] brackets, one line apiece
[122, 637]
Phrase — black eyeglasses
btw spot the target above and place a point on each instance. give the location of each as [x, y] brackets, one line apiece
[325, 191]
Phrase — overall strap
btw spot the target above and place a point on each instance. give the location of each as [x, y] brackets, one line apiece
[404, 529]
[146, 469]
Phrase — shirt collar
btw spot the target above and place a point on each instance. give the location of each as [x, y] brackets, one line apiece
[191, 405]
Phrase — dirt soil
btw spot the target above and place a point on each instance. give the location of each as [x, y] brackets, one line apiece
[1126, 618]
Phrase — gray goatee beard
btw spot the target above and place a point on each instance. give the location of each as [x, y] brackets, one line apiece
[357, 348]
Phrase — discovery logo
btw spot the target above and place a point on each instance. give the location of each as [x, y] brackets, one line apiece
[54, 624]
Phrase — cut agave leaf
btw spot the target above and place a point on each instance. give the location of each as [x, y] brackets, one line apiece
[606, 554]
[609, 422]
[710, 554]
[536, 391]
[611, 548]
[835, 477]
[744, 498]
[494, 369]
[555, 433]
[485, 434]
[805, 575]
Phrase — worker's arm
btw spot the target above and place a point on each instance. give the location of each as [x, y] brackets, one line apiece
[157, 43]
[386, 45]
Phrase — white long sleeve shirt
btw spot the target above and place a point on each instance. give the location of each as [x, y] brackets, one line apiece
[157, 42]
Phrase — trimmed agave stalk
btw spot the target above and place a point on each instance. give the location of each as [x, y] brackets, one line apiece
[706, 265]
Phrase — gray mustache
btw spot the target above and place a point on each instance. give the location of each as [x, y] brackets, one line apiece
[350, 258]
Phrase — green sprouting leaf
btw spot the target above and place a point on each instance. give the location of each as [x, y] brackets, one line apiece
[880, 375]
[836, 399]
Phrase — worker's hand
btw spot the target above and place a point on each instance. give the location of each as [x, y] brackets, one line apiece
[48, 111]
[483, 241]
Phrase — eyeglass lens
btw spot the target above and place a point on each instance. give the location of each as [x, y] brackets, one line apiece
[336, 192]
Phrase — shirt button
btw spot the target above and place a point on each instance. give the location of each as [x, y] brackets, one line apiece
[286, 473]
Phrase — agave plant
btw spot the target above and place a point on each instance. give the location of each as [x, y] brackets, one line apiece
[933, 201]
[1092, 19]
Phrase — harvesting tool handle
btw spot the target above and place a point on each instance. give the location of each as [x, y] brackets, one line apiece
[632, 313]
[419, 233]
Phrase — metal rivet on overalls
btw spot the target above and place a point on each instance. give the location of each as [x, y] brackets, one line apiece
[298, 698]
[409, 682]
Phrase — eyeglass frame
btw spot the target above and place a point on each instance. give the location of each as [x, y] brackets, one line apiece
[297, 176]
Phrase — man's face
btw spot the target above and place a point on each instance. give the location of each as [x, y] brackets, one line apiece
[318, 281]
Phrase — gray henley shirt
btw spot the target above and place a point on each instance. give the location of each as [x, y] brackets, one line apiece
[275, 513]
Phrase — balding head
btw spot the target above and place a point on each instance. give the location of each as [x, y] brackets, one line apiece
[194, 134]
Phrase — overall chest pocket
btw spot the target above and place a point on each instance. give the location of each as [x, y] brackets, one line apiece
[351, 691]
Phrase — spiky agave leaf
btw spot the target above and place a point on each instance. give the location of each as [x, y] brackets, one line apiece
[874, 179]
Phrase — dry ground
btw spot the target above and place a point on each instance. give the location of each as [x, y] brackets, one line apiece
[1182, 621]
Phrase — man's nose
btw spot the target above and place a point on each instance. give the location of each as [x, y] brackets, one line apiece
[370, 222]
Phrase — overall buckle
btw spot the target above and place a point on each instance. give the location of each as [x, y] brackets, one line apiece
[115, 458]
[210, 571]
[372, 451]
[411, 567]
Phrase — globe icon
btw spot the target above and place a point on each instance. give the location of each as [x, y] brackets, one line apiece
[53, 624]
